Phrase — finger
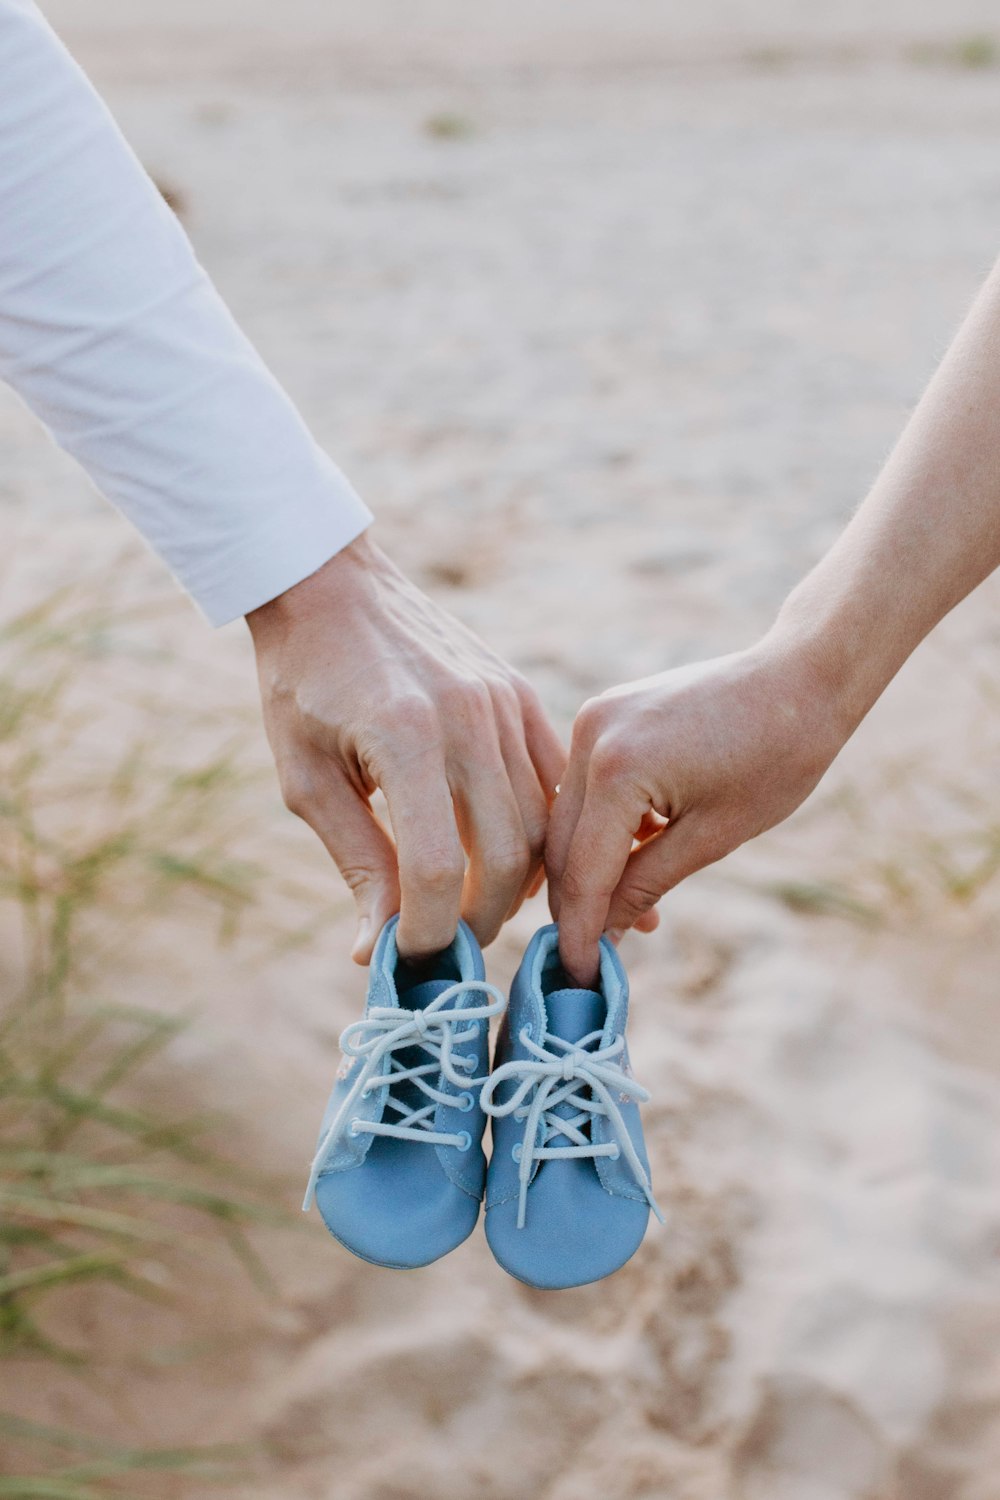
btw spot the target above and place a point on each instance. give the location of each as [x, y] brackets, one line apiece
[598, 853]
[546, 749]
[428, 849]
[648, 922]
[569, 802]
[655, 868]
[356, 842]
[651, 824]
[562, 825]
[493, 833]
[532, 800]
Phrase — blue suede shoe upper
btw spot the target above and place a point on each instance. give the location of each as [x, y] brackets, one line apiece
[399, 1171]
[568, 1193]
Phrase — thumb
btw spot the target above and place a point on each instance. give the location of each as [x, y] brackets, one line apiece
[376, 899]
[659, 864]
[362, 851]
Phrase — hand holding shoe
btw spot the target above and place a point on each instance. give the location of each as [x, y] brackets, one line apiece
[690, 763]
[367, 683]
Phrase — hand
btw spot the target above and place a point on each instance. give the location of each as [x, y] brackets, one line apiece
[366, 683]
[692, 763]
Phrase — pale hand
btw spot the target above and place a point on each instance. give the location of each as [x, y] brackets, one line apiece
[721, 750]
[367, 683]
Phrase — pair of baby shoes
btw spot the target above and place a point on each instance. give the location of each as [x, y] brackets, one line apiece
[400, 1171]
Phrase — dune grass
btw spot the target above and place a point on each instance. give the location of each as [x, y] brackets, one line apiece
[914, 840]
[98, 1187]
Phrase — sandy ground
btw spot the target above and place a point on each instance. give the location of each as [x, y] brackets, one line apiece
[611, 312]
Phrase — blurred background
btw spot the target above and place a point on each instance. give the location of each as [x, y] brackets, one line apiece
[611, 311]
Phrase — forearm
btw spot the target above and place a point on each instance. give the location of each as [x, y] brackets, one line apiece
[115, 337]
[927, 534]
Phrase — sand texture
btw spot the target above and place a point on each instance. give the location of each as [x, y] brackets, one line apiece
[610, 311]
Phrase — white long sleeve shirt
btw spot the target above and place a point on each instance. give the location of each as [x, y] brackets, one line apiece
[115, 337]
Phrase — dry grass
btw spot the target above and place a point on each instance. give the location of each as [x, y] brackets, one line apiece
[95, 1186]
[912, 840]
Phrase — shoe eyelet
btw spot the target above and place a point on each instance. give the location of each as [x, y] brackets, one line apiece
[467, 1062]
[614, 1155]
[464, 1102]
[352, 1128]
[525, 1035]
[466, 1141]
[516, 1152]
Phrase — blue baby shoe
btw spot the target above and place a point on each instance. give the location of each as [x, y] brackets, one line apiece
[568, 1191]
[399, 1172]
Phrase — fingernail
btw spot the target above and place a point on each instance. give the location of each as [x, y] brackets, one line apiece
[615, 934]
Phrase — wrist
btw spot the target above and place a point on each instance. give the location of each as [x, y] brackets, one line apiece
[336, 582]
[843, 662]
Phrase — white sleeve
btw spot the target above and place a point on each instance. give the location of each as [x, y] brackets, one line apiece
[115, 337]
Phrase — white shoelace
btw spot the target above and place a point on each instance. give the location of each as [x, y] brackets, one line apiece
[555, 1076]
[385, 1031]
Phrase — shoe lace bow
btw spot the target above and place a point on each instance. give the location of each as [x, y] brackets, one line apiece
[383, 1032]
[556, 1073]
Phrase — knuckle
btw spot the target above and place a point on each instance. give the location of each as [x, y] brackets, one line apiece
[512, 863]
[438, 872]
[505, 699]
[575, 887]
[467, 700]
[611, 759]
[522, 693]
[297, 792]
[638, 898]
[590, 721]
[356, 877]
[401, 737]
[412, 715]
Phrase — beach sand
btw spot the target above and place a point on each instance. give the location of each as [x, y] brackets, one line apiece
[611, 311]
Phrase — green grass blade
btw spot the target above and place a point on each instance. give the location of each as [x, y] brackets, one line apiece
[82, 1216]
[59, 1273]
[45, 1489]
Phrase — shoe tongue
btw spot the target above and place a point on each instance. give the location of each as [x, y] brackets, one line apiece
[421, 995]
[574, 1014]
[417, 998]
